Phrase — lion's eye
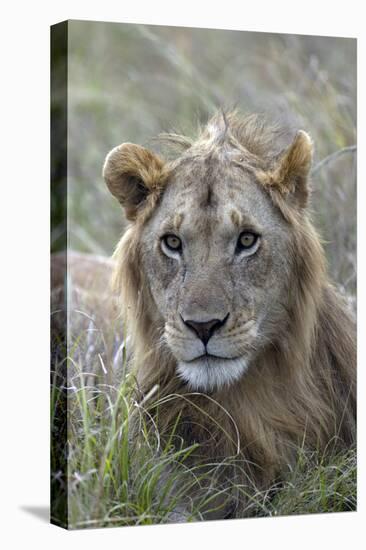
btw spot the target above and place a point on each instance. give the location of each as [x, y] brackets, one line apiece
[247, 241]
[172, 242]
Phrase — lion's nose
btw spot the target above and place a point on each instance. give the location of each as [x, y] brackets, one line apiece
[206, 329]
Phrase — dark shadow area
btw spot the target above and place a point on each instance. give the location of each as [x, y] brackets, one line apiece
[58, 394]
[40, 512]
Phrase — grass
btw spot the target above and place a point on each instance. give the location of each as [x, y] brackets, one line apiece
[318, 484]
[120, 472]
[112, 479]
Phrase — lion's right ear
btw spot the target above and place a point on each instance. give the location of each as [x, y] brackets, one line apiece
[131, 173]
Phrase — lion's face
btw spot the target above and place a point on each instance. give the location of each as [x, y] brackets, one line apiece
[216, 257]
[214, 247]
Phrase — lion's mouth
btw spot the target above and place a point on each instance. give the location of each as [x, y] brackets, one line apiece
[208, 356]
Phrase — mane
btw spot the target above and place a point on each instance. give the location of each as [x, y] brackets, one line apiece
[253, 132]
[300, 390]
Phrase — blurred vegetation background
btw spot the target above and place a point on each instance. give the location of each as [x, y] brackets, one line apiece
[130, 82]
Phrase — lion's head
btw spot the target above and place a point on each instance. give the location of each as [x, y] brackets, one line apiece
[214, 246]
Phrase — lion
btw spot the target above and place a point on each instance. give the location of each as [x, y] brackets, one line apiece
[224, 287]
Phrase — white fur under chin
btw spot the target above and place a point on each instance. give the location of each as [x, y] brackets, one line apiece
[211, 373]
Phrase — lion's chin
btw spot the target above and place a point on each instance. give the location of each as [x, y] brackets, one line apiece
[211, 373]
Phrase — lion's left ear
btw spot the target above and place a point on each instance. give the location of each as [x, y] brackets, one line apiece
[290, 174]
